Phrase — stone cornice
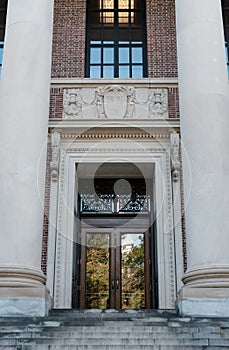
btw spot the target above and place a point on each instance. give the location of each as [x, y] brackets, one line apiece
[114, 127]
[89, 82]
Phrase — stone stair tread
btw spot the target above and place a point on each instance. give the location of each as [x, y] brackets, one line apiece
[114, 330]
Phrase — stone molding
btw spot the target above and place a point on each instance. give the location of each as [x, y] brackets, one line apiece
[73, 149]
[21, 277]
[212, 276]
[115, 102]
[114, 136]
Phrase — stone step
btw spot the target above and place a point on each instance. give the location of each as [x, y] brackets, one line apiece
[103, 330]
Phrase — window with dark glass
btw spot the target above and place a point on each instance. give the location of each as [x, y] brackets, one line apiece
[3, 9]
[116, 39]
[225, 8]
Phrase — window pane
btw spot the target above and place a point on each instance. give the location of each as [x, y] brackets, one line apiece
[95, 72]
[97, 267]
[124, 71]
[132, 271]
[107, 17]
[137, 72]
[136, 55]
[108, 71]
[107, 4]
[123, 4]
[123, 17]
[95, 55]
[108, 55]
[124, 56]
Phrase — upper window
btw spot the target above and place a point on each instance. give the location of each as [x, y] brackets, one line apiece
[225, 8]
[3, 8]
[116, 39]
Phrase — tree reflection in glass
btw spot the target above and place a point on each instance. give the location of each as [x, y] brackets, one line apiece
[97, 267]
[132, 271]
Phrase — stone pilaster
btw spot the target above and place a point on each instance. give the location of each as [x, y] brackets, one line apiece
[204, 105]
[24, 102]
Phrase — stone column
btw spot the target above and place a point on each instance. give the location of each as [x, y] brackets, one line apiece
[204, 107]
[24, 104]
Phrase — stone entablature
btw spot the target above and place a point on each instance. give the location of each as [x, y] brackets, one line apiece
[115, 102]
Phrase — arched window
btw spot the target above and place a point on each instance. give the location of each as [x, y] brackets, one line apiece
[116, 45]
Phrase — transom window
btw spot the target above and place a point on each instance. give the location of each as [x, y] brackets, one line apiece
[116, 39]
[225, 8]
[3, 9]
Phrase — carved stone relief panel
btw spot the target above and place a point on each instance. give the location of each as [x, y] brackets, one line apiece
[115, 102]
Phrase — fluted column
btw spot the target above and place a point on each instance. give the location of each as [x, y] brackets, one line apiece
[24, 102]
[204, 107]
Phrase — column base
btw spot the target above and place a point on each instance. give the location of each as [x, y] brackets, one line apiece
[23, 293]
[203, 302]
[205, 293]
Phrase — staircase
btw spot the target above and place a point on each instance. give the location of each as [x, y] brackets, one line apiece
[113, 330]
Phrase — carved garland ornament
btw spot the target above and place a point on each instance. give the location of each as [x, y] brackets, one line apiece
[54, 164]
[174, 155]
[115, 102]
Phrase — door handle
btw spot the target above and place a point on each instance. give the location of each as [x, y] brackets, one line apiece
[113, 284]
[117, 284]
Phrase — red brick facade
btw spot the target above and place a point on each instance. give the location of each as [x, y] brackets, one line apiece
[69, 33]
[69, 38]
[161, 38]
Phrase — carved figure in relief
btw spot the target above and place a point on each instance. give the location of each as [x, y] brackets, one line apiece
[115, 102]
[158, 103]
[72, 104]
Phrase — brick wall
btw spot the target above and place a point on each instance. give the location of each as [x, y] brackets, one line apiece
[161, 38]
[69, 38]
[69, 32]
[56, 103]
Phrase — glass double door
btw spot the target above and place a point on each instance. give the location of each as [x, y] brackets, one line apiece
[115, 268]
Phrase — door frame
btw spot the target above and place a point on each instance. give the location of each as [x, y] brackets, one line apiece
[74, 150]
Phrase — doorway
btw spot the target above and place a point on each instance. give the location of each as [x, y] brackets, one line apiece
[115, 251]
[115, 268]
